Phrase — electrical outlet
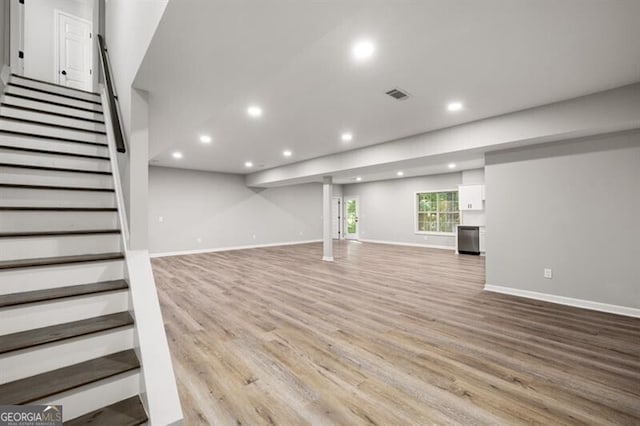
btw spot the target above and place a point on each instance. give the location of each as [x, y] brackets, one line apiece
[160, 219]
[199, 240]
[548, 273]
[254, 236]
[426, 237]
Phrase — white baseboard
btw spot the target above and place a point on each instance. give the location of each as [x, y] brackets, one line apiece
[569, 301]
[395, 243]
[216, 249]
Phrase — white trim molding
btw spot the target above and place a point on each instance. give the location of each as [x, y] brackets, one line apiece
[216, 249]
[395, 243]
[563, 300]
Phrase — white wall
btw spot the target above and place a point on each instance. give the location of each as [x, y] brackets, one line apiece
[202, 210]
[4, 34]
[130, 25]
[40, 35]
[387, 208]
[573, 207]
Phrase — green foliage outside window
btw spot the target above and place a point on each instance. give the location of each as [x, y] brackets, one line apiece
[438, 211]
[351, 216]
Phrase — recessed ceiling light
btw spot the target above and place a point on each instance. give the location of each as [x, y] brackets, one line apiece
[454, 106]
[400, 173]
[248, 164]
[177, 155]
[205, 139]
[363, 49]
[347, 137]
[358, 178]
[254, 111]
[287, 153]
[452, 165]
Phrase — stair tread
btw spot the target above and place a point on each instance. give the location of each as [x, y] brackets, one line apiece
[47, 151]
[58, 209]
[54, 84]
[58, 233]
[61, 292]
[63, 379]
[49, 92]
[59, 114]
[46, 124]
[48, 137]
[58, 187]
[29, 98]
[58, 332]
[128, 412]
[53, 169]
[58, 260]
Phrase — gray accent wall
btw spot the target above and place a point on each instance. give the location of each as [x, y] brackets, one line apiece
[203, 210]
[387, 208]
[573, 207]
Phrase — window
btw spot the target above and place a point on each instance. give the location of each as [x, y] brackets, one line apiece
[437, 211]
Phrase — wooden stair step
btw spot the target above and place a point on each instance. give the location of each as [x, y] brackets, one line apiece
[58, 209]
[58, 233]
[43, 385]
[48, 151]
[55, 187]
[60, 104]
[57, 114]
[48, 92]
[53, 138]
[61, 292]
[47, 124]
[59, 260]
[54, 169]
[58, 332]
[128, 412]
[22, 77]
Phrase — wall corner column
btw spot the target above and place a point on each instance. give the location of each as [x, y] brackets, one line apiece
[327, 239]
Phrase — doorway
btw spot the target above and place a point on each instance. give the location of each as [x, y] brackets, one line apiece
[73, 52]
[351, 218]
[336, 218]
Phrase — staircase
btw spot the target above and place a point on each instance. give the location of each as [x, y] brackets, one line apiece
[66, 332]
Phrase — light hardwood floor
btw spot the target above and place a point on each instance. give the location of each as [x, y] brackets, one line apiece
[385, 335]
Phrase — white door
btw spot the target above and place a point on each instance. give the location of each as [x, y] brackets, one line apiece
[336, 218]
[74, 51]
[351, 219]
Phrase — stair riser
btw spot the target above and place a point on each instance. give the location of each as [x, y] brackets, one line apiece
[53, 160]
[48, 118]
[43, 106]
[42, 278]
[30, 221]
[39, 359]
[49, 177]
[43, 314]
[52, 98]
[49, 131]
[54, 88]
[53, 145]
[55, 198]
[91, 397]
[35, 247]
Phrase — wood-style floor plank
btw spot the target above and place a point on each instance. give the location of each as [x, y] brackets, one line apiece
[385, 335]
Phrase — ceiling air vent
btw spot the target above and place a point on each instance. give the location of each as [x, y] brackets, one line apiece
[398, 94]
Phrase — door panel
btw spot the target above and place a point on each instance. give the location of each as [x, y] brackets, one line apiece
[75, 52]
[336, 218]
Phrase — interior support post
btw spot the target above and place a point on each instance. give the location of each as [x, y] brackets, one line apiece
[327, 240]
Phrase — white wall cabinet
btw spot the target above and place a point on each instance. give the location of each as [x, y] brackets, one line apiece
[470, 197]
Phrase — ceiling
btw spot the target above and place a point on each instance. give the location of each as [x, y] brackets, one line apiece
[209, 60]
